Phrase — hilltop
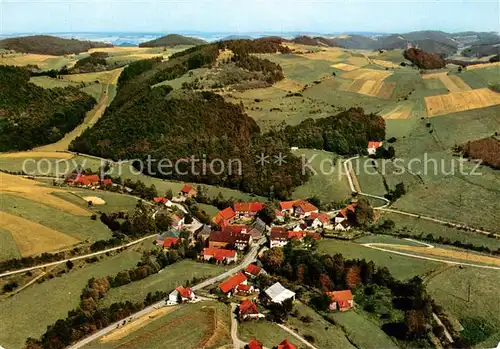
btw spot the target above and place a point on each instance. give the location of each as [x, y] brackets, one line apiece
[173, 40]
[49, 45]
[315, 41]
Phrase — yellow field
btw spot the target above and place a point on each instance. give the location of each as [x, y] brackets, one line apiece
[289, 85]
[452, 82]
[32, 238]
[358, 61]
[326, 54]
[43, 61]
[461, 101]
[32, 190]
[118, 49]
[385, 64]
[136, 324]
[366, 74]
[344, 66]
[32, 154]
[484, 65]
[103, 76]
[401, 112]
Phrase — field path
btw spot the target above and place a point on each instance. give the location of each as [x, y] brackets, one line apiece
[296, 335]
[90, 119]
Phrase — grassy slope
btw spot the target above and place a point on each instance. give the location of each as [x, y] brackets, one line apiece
[450, 289]
[114, 201]
[401, 267]
[29, 313]
[77, 226]
[184, 327]
[171, 277]
[328, 185]
[8, 248]
[266, 332]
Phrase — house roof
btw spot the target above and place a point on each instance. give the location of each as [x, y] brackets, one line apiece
[286, 205]
[299, 235]
[248, 307]
[232, 282]
[349, 208]
[169, 242]
[253, 269]
[286, 345]
[229, 237]
[314, 235]
[186, 189]
[279, 233]
[218, 253]
[85, 180]
[322, 217]
[255, 344]
[242, 287]
[160, 199]
[305, 206]
[106, 181]
[278, 293]
[259, 225]
[235, 228]
[374, 144]
[248, 206]
[185, 292]
[338, 296]
[225, 214]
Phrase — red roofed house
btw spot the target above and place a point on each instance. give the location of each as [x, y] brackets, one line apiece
[254, 344]
[84, 180]
[299, 235]
[227, 239]
[162, 201]
[219, 254]
[248, 209]
[373, 146]
[278, 237]
[106, 182]
[253, 270]
[224, 217]
[248, 310]
[319, 220]
[287, 207]
[314, 235]
[286, 345]
[341, 300]
[304, 209]
[188, 191]
[169, 242]
[232, 283]
[341, 219]
[244, 290]
[181, 294]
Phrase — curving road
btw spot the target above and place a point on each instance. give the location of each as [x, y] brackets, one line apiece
[249, 258]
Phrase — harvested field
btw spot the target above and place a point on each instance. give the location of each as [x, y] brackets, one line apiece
[32, 238]
[117, 49]
[95, 200]
[484, 65]
[374, 88]
[332, 55]
[344, 66]
[136, 324]
[386, 89]
[42, 154]
[359, 61]
[31, 190]
[452, 82]
[461, 101]
[289, 85]
[366, 74]
[401, 112]
[385, 64]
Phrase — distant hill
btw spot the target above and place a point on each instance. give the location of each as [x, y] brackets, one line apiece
[236, 37]
[49, 45]
[316, 41]
[173, 40]
[482, 50]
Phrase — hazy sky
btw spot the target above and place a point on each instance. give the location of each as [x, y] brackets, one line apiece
[18, 16]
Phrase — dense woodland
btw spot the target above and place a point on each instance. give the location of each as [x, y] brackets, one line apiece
[346, 133]
[49, 45]
[94, 62]
[31, 115]
[172, 40]
[424, 60]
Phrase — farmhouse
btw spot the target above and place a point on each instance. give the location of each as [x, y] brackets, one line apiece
[169, 242]
[373, 146]
[247, 209]
[253, 270]
[248, 310]
[228, 239]
[279, 237]
[286, 345]
[177, 222]
[343, 226]
[188, 191]
[298, 235]
[277, 293]
[244, 290]
[342, 221]
[225, 217]
[229, 286]
[319, 220]
[160, 200]
[87, 181]
[254, 344]
[304, 209]
[180, 295]
[341, 300]
[257, 229]
[219, 254]
[287, 207]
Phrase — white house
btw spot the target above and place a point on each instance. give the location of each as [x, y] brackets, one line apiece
[181, 293]
[343, 226]
[277, 293]
[279, 237]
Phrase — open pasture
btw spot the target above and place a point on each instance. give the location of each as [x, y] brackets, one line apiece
[461, 101]
[452, 82]
[44, 62]
[401, 112]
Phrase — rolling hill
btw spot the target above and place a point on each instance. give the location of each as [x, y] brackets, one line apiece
[173, 40]
[49, 45]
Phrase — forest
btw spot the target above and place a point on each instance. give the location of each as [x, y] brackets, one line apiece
[424, 60]
[49, 45]
[31, 115]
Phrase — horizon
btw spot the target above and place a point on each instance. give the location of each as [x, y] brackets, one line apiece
[226, 16]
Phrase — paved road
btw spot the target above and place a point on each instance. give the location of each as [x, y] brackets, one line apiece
[77, 258]
[249, 258]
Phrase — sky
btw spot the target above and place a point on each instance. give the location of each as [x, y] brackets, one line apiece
[243, 16]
